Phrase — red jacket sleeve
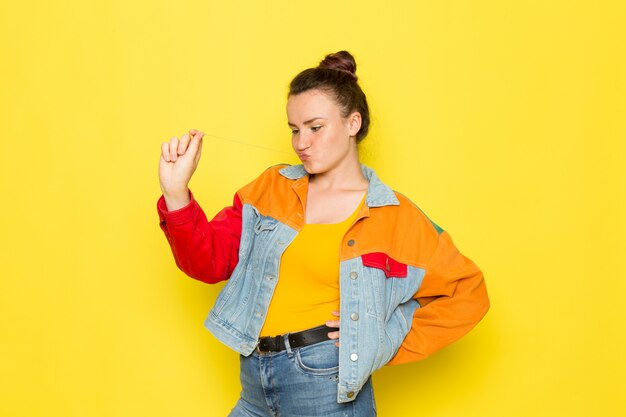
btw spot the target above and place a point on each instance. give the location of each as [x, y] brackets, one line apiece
[204, 250]
[453, 299]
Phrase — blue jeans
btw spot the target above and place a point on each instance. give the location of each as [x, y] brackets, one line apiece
[299, 382]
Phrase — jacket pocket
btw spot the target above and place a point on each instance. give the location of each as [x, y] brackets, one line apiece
[263, 223]
[388, 283]
[382, 261]
[264, 232]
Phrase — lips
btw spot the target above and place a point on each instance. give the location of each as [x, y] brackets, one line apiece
[303, 156]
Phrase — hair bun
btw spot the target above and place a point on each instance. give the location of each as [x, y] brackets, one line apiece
[340, 61]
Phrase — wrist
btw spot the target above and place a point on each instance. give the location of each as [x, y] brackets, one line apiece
[175, 201]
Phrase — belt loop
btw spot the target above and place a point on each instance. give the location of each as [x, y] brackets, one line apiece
[287, 345]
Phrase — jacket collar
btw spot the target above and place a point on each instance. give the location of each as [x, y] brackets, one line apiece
[378, 193]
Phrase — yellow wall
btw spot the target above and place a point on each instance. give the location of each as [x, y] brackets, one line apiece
[504, 120]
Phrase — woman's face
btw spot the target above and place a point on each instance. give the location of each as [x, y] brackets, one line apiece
[321, 137]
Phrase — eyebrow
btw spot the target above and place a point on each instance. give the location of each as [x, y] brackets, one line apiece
[307, 122]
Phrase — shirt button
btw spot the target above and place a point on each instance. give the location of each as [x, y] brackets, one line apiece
[354, 357]
[354, 316]
[257, 314]
[353, 275]
[269, 277]
[351, 242]
[350, 394]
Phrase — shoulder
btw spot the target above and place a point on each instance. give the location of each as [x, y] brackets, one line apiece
[271, 193]
[402, 219]
[412, 211]
[403, 231]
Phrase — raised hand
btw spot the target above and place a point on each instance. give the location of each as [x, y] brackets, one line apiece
[179, 160]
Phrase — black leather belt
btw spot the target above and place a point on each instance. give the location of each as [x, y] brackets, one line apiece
[296, 340]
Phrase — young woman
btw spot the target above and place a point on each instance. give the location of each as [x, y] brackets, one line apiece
[331, 274]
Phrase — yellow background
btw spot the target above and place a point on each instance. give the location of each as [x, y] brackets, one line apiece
[504, 120]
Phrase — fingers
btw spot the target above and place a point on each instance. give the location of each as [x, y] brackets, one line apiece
[335, 324]
[169, 150]
[195, 146]
[333, 335]
[165, 151]
[172, 153]
[197, 158]
[175, 147]
[332, 323]
[183, 144]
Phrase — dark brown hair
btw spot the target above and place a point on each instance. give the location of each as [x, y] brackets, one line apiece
[336, 75]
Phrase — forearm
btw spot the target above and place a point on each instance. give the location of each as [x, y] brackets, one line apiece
[445, 319]
[453, 299]
[204, 250]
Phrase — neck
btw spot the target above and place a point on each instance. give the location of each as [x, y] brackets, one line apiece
[346, 175]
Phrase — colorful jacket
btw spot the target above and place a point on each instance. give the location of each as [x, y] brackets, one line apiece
[405, 289]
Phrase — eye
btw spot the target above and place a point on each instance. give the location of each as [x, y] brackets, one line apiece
[294, 131]
[315, 128]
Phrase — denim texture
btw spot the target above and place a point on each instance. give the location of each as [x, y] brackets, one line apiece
[375, 311]
[300, 382]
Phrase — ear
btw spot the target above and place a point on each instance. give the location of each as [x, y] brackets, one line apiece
[354, 123]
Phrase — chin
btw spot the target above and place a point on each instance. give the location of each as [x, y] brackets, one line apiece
[312, 168]
[308, 167]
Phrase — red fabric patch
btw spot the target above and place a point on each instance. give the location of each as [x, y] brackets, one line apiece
[387, 264]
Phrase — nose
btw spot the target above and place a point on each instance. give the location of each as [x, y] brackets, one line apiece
[301, 141]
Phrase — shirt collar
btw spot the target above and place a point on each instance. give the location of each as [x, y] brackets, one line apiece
[378, 193]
